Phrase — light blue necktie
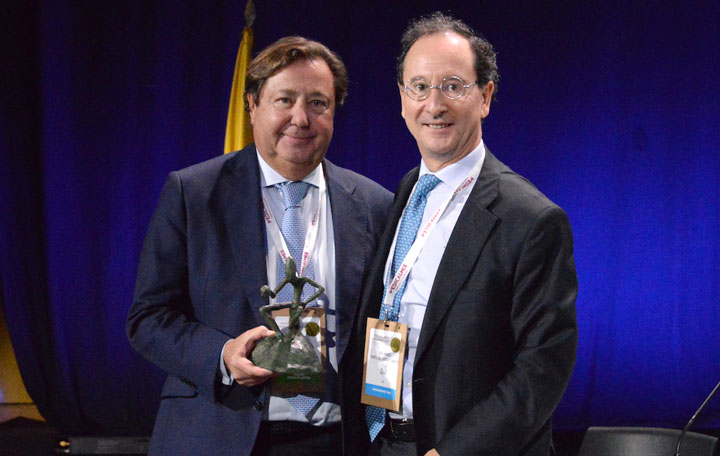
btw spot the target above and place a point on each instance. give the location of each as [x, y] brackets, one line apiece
[375, 416]
[293, 231]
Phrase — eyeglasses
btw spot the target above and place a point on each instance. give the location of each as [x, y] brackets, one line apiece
[453, 87]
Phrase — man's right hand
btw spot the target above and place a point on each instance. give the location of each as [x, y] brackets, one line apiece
[235, 357]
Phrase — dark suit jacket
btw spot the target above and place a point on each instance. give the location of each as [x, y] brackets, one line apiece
[497, 344]
[198, 285]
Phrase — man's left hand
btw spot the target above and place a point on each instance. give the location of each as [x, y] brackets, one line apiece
[236, 356]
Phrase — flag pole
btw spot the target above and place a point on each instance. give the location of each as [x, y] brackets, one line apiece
[238, 133]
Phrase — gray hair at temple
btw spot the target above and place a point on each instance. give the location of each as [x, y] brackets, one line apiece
[437, 22]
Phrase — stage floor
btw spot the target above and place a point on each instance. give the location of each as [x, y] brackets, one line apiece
[26, 437]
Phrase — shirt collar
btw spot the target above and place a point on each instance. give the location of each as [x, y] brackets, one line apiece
[270, 177]
[454, 174]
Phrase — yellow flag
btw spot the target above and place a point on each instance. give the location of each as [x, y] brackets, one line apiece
[237, 132]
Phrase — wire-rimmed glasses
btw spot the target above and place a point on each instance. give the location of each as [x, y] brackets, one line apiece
[453, 87]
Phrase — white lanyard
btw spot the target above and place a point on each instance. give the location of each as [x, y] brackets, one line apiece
[422, 236]
[312, 231]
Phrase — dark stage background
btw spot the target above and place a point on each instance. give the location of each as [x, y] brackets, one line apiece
[611, 108]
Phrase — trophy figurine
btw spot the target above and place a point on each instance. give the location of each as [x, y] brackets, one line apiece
[288, 352]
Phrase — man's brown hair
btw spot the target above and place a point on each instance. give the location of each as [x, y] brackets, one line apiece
[285, 52]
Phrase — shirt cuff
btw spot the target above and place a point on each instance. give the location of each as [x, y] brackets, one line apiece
[227, 378]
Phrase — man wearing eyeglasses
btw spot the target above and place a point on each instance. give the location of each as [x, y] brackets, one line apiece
[478, 264]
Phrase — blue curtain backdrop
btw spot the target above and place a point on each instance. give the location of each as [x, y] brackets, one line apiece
[612, 108]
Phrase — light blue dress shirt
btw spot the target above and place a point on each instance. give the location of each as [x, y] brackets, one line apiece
[323, 258]
[422, 275]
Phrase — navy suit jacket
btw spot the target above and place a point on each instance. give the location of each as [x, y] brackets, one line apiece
[198, 285]
[497, 344]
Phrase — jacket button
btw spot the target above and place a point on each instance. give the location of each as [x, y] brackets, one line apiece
[258, 406]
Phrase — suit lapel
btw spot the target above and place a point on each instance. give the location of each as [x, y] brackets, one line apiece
[239, 203]
[372, 296]
[463, 249]
[351, 251]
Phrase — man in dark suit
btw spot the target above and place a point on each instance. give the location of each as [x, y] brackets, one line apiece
[489, 300]
[216, 238]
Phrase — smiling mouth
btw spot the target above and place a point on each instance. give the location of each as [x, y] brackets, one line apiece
[299, 138]
[438, 126]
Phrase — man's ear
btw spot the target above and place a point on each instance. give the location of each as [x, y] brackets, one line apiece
[487, 94]
[402, 105]
[251, 106]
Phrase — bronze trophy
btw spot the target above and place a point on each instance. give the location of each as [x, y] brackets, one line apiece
[288, 352]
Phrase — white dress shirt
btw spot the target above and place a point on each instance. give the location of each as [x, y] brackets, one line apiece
[422, 275]
[323, 259]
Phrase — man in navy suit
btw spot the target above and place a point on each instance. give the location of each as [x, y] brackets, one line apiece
[489, 300]
[216, 238]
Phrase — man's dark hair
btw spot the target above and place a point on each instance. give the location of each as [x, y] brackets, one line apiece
[437, 22]
[286, 51]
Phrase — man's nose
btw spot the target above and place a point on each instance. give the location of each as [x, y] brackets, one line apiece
[436, 103]
[299, 115]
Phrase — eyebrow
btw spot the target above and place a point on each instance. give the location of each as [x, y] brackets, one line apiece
[295, 92]
[417, 77]
[319, 94]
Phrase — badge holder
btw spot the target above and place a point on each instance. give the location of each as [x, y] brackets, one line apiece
[312, 326]
[385, 343]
